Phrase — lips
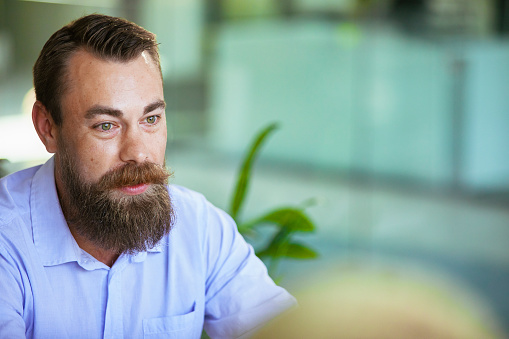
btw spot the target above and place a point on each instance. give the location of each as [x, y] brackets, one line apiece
[134, 190]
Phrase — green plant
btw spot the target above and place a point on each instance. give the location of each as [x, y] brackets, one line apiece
[287, 220]
[3, 169]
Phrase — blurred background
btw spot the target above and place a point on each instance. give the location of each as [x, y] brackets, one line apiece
[393, 121]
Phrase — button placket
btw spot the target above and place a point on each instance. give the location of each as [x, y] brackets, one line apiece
[114, 317]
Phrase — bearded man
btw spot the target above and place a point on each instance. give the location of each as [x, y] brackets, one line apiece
[94, 243]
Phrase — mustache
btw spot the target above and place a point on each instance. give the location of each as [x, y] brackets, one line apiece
[134, 174]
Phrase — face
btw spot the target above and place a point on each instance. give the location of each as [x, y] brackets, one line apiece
[109, 162]
[113, 114]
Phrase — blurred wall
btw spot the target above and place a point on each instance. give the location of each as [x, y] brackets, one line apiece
[367, 99]
[30, 24]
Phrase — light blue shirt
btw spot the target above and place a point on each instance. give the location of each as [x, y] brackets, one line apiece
[202, 275]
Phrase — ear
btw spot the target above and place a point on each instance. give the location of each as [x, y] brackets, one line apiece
[45, 126]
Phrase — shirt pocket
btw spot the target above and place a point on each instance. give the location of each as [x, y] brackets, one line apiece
[178, 326]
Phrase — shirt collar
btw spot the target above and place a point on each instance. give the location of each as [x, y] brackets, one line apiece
[52, 237]
[141, 256]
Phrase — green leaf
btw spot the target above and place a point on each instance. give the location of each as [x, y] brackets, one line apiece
[300, 251]
[277, 244]
[289, 250]
[245, 171]
[293, 219]
[3, 170]
[268, 252]
[246, 229]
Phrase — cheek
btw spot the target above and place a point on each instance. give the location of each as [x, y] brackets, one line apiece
[161, 146]
[96, 160]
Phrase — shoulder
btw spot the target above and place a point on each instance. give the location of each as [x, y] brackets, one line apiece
[191, 204]
[195, 214]
[15, 194]
[15, 220]
[19, 176]
[183, 195]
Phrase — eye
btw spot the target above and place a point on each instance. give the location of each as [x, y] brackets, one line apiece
[106, 126]
[152, 119]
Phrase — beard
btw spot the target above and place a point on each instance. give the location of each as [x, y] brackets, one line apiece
[112, 220]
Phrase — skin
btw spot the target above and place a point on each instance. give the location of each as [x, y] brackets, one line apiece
[113, 114]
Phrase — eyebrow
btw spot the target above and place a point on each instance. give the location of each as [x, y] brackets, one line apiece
[153, 106]
[104, 110]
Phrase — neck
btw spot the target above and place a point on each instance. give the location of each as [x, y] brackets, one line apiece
[107, 257]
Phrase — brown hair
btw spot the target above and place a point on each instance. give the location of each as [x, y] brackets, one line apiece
[104, 36]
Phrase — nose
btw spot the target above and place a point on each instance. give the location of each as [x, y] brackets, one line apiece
[133, 148]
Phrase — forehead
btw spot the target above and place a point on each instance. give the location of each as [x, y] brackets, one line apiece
[120, 84]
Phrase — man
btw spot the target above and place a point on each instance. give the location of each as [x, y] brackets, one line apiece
[94, 243]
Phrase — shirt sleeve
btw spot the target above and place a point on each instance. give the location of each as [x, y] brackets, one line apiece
[12, 324]
[240, 295]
